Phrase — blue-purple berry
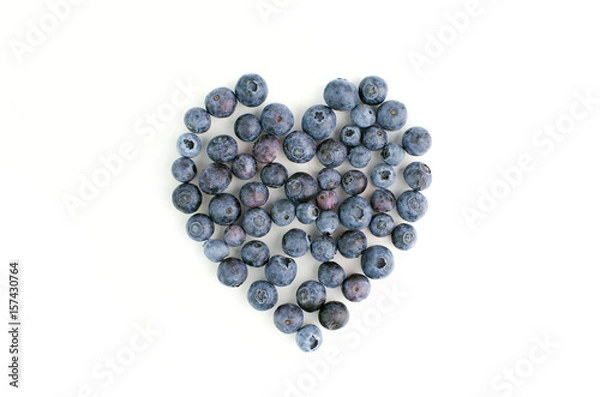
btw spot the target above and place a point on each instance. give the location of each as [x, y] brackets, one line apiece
[220, 102]
[319, 121]
[277, 119]
[404, 236]
[247, 127]
[197, 120]
[189, 145]
[331, 274]
[215, 178]
[184, 169]
[186, 198]
[251, 90]
[262, 295]
[200, 227]
[234, 235]
[232, 272]
[356, 287]
[391, 115]
[255, 253]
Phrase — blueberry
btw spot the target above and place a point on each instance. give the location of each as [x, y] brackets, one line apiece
[356, 287]
[392, 154]
[307, 213]
[377, 262]
[283, 212]
[332, 153]
[391, 115]
[311, 295]
[350, 135]
[184, 169]
[329, 178]
[327, 200]
[200, 227]
[319, 121]
[197, 120]
[300, 188]
[189, 145]
[187, 198]
[340, 94]
[281, 270]
[224, 209]
[215, 178]
[417, 175]
[352, 243]
[295, 243]
[222, 148]
[333, 315]
[232, 272]
[381, 225]
[274, 175]
[331, 274]
[256, 222]
[372, 90]
[382, 200]
[251, 90]
[299, 147]
[216, 250]
[266, 148]
[247, 127]
[416, 141]
[411, 205]
[288, 318]
[355, 213]
[262, 295]
[234, 235]
[244, 166]
[323, 248]
[255, 253]
[359, 156]
[220, 102]
[383, 175]
[254, 194]
[354, 182]
[309, 338]
[328, 222]
[374, 138]
[277, 119]
[404, 236]
[363, 115]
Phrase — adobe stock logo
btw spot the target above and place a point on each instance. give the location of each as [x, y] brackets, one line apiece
[146, 129]
[544, 141]
[436, 44]
[268, 8]
[115, 364]
[317, 369]
[515, 376]
[38, 30]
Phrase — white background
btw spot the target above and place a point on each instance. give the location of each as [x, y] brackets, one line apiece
[477, 298]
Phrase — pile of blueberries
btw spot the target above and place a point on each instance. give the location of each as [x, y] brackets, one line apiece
[308, 199]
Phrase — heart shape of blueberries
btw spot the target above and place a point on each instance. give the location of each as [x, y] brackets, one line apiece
[339, 207]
